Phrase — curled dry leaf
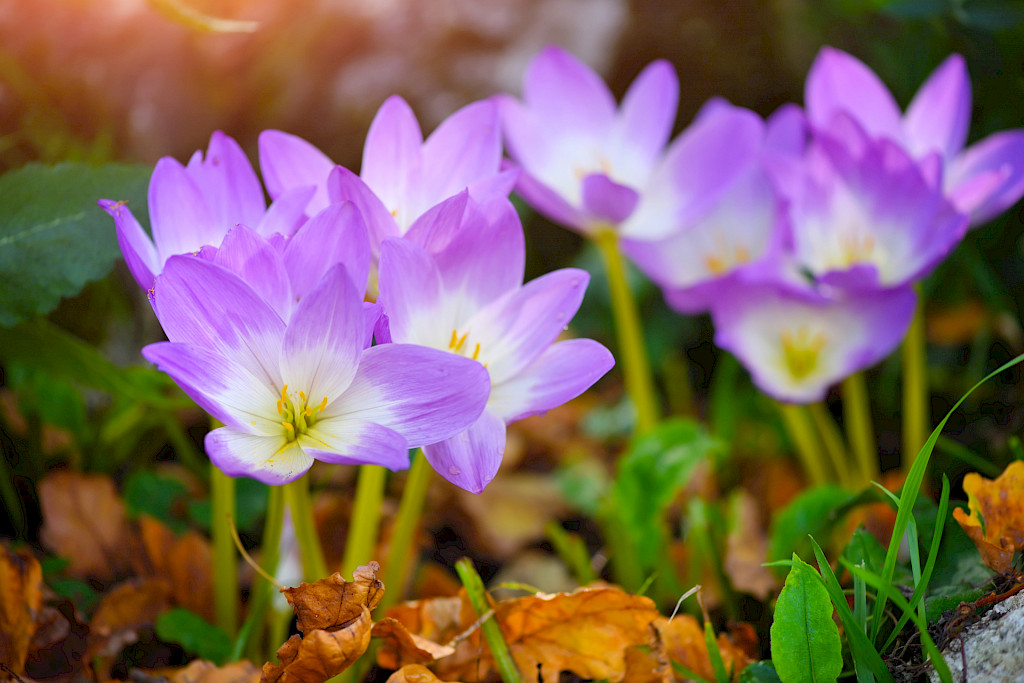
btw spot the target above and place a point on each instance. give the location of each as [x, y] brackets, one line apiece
[84, 522]
[21, 582]
[414, 673]
[334, 617]
[996, 519]
[185, 563]
[401, 646]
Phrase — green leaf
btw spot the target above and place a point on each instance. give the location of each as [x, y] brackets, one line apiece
[815, 512]
[760, 672]
[54, 239]
[864, 549]
[195, 634]
[805, 639]
[155, 495]
[651, 476]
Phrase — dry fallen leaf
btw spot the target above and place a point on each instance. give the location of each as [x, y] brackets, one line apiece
[185, 563]
[84, 522]
[334, 617]
[21, 581]
[747, 550]
[683, 638]
[200, 671]
[399, 647]
[414, 673]
[996, 519]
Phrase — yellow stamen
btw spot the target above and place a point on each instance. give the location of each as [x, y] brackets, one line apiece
[455, 339]
[280, 408]
[394, 213]
[289, 427]
[302, 396]
[309, 412]
[800, 351]
[714, 264]
[476, 352]
[323, 405]
[284, 394]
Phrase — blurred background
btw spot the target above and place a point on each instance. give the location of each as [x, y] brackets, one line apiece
[134, 80]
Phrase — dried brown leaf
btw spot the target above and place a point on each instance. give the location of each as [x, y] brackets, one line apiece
[84, 521]
[201, 671]
[399, 647]
[334, 602]
[414, 673]
[130, 605]
[21, 583]
[747, 550]
[684, 642]
[320, 655]
[185, 563]
[996, 519]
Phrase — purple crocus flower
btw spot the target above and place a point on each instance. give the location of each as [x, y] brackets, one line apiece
[710, 211]
[982, 180]
[291, 393]
[469, 299]
[585, 161]
[402, 175]
[796, 343]
[195, 205]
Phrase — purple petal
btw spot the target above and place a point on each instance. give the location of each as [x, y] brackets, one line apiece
[410, 294]
[516, 329]
[287, 162]
[648, 111]
[224, 389]
[253, 259]
[286, 213]
[424, 394]
[325, 338]
[269, 459]
[203, 304]
[939, 116]
[373, 315]
[495, 187]
[786, 131]
[838, 82]
[229, 183]
[464, 149]
[181, 218]
[471, 458]
[526, 138]
[136, 246]
[564, 371]
[346, 441]
[434, 229]
[345, 186]
[567, 94]
[391, 155]
[551, 204]
[606, 200]
[1001, 153]
[335, 235]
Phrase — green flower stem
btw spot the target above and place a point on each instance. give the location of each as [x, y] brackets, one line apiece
[364, 527]
[492, 632]
[833, 440]
[296, 496]
[636, 370]
[804, 438]
[225, 559]
[263, 592]
[859, 430]
[916, 401]
[410, 513]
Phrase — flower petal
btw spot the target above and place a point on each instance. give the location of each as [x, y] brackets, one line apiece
[343, 441]
[286, 213]
[411, 295]
[335, 235]
[471, 458]
[607, 201]
[1001, 152]
[424, 394]
[287, 162]
[325, 338]
[647, 114]
[269, 459]
[253, 259]
[567, 94]
[939, 116]
[465, 148]
[224, 389]
[391, 155]
[229, 183]
[206, 305]
[561, 373]
[136, 246]
[180, 215]
[838, 82]
[345, 186]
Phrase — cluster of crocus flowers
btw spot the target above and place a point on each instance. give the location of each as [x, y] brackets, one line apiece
[267, 321]
[802, 235]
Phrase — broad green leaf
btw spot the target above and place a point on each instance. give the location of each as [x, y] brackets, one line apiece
[149, 493]
[651, 476]
[805, 639]
[194, 633]
[815, 512]
[760, 672]
[864, 549]
[54, 239]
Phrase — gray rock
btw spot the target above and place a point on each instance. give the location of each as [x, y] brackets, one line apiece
[994, 646]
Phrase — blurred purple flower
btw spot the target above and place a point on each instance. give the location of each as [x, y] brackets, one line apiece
[195, 205]
[982, 180]
[469, 299]
[585, 161]
[797, 343]
[402, 175]
[291, 393]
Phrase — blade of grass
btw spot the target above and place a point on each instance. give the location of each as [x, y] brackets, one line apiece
[715, 655]
[863, 651]
[911, 490]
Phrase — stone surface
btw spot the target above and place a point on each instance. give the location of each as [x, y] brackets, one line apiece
[994, 646]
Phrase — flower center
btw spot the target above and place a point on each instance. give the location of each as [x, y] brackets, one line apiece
[458, 345]
[800, 351]
[297, 416]
[724, 261]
